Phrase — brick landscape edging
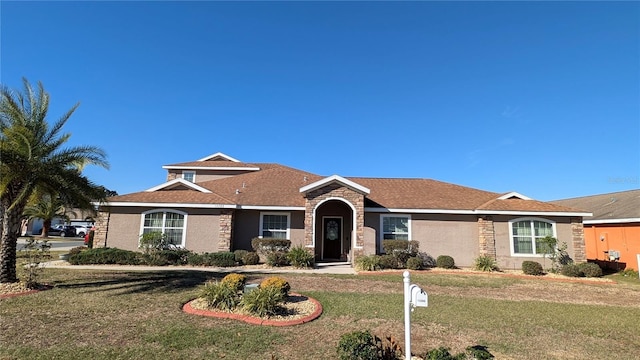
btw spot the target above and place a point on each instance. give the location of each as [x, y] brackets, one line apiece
[256, 320]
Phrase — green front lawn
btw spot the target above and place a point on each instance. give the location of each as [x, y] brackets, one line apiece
[137, 315]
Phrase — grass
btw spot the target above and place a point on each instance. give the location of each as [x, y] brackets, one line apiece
[137, 315]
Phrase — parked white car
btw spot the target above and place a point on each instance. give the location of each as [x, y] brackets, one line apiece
[81, 230]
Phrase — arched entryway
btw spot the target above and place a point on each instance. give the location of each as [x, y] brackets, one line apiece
[333, 230]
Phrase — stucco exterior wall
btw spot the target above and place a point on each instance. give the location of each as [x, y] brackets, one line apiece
[201, 236]
[247, 226]
[504, 257]
[204, 175]
[453, 235]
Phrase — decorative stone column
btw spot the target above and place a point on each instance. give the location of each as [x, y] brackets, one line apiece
[226, 230]
[171, 176]
[577, 237]
[101, 229]
[486, 236]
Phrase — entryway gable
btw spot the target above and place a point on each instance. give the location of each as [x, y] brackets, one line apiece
[334, 199]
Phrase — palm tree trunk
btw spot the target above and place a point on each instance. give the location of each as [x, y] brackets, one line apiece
[9, 241]
[8, 244]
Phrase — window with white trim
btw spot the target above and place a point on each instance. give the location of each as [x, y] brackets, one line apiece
[275, 225]
[396, 227]
[527, 233]
[189, 176]
[170, 223]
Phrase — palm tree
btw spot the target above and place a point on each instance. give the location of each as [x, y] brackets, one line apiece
[32, 157]
[45, 207]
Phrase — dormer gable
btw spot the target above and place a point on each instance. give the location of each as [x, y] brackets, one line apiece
[335, 179]
[179, 184]
[513, 195]
[219, 157]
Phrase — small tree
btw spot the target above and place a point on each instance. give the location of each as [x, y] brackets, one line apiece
[153, 241]
[558, 255]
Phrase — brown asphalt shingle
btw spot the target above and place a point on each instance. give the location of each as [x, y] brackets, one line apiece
[617, 205]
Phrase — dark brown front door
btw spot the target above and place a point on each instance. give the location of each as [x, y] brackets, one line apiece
[332, 237]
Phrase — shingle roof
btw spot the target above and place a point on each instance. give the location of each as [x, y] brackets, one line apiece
[279, 186]
[212, 163]
[611, 206]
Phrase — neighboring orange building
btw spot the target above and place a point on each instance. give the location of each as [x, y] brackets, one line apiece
[612, 234]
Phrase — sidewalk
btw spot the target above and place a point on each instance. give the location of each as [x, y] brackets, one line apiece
[321, 268]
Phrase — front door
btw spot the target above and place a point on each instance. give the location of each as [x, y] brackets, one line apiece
[331, 237]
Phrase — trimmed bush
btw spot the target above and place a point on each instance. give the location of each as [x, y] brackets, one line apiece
[388, 262]
[264, 301]
[269, 245]
[357, 345]
[571, 270]
[441, 353]
[221, 259]
[427, 260]
[414, 263]
[446, 262]
[251, 258]
[77, 250]
[532, 268]
[485, 263]
[234, 280]
[220, 295]
[276, 282]
[277, 258]
[368, 262]
[590, 269]
[402, 250]
[105, 256]
[166, 257]
[299, 257]
[239, 254]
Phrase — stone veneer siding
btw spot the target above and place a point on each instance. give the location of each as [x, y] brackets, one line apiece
[577, 235]
[226, 229]
[171, 176]
[102, 228]
[335, 190]
[486, 236]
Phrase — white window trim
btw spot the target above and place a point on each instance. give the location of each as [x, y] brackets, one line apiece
[189, 172]
[531, 220]
[164, 217]
[381, 235]
[288, 214]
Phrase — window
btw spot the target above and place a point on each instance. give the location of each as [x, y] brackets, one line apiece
[396, 227]
[274, 225]
[189, 176]
[526, 235]
[170, 223]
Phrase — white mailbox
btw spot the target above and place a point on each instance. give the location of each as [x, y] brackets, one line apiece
[419, 297]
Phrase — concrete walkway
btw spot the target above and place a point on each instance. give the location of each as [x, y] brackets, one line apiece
[321, 268]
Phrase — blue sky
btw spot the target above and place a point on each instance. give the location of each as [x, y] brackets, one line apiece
[542, 98]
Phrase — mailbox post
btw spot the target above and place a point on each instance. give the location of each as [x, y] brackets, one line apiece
[414, 297]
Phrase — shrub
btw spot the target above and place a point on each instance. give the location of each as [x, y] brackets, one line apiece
[357, 345]
[269, 245]
[479, 352]
[401, 249]
[105, 256]
[571, 270]
[220, 295]
[532, 268]
[414, 263]
[166, 257]
[388, 262]
[77, 250]
[239, 254]
[299, 257]
[590, 269]
[368, 262]
[486, 263]
[629, 273]
[441, 353]
[427, 260]
[264, 301]
[251, 258]
[234, 280]
[277, 258]
[276, 282]
[221, 259]
[476, 352]
[153, 241]
[445, 261]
